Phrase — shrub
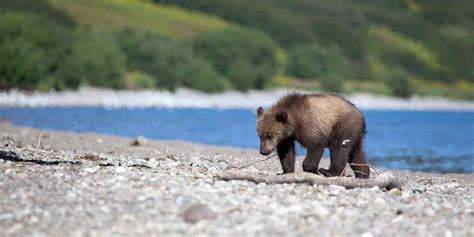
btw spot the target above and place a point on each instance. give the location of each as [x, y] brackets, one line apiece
[199, 74]
[399, 83]
[332, 83]
[171, 62]
[248, 58]
[31, 47]
[316, 61]
[139, 80]
[95, 60]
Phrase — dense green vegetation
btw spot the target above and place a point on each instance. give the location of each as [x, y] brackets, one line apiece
[431, 41]
[392, 47]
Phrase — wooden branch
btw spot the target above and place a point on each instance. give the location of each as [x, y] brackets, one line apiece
[385, 180]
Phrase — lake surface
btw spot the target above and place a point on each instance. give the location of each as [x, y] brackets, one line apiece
[412, 140]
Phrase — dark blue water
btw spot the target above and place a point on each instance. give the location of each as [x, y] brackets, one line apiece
[422, 140]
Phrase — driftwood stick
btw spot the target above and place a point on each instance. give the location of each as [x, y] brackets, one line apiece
[385, 180]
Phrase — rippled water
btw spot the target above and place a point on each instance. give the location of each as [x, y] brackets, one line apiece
[412, 140]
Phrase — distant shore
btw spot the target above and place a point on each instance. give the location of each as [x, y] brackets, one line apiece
[185, 98]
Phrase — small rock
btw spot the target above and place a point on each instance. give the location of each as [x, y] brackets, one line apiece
[395, 191]
[447, 205]
[452, 185]
[334, 190]
[419, 190]
[141, 198]
[469, 211]
[379, 201]
[6, 216]
[169, 163]
[251, 169]
[322, 212]
[198, 212]
[34, 219]
[367, 234]
[89, 170]
[179, 200]
[120, 169]
[222, 165]
[375, 189]
[153, 163]
[99, 140]
[139, 141]
[430, 212]
[406, 194]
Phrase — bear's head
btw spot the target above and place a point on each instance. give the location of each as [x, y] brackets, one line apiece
[272, 128]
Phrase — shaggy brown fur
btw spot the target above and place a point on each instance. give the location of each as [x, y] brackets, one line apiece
[316, 121]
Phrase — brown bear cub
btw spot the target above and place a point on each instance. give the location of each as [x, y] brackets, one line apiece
[316, 121]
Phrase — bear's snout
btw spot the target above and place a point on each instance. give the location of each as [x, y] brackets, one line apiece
[265, 152]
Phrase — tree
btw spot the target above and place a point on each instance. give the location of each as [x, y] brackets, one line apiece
[95, 59]
[32, 47]
[399, 83]
[316, 61]
[248, 58]
[171, 62]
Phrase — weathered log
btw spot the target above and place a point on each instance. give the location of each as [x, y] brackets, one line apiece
[385, 180]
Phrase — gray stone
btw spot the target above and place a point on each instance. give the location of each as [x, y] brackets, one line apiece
[139, 141]
[198, 212]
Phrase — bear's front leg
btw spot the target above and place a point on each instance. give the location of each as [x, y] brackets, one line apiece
[286, 153]
[313, 156]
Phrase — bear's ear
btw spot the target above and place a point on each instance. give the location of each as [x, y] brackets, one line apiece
[282, 116]
[259, 112]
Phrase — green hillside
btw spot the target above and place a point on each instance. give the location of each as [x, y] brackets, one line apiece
[145, 15]
[430, 42]
[394, 47]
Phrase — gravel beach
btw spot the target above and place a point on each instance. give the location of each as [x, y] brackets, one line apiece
[66, 184]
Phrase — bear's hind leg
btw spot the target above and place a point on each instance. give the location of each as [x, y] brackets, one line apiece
[360, 167]
[286, 153]
[339, 158]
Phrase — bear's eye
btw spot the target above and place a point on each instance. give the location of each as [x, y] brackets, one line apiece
[269, 136]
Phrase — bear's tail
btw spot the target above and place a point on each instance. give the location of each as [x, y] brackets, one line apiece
[360, 166]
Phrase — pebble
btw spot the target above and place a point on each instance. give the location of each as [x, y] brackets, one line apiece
[198, 212]
[395, 191]
[139, 141]
[367, 234]
[379, 201]
[6, 216]
[321, 212]
[334, 190]
[120, 169]
[169, 163]
[430, 212]
[153, 163]
[375, 189]
[406, 194]
[90, 170]
[174, 198]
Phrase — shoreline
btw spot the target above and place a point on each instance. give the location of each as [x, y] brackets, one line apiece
[185, 98]
[65, 183]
